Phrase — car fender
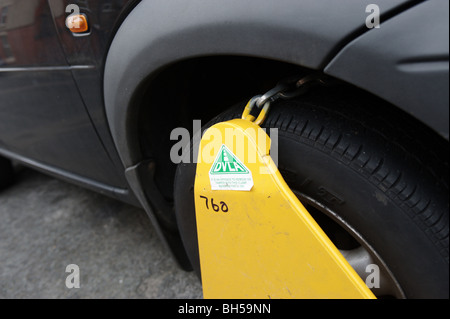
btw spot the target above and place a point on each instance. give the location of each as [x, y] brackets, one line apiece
[405, 62]
[157, 33]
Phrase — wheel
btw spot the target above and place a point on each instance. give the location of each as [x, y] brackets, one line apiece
[375, 181]
[6, 172]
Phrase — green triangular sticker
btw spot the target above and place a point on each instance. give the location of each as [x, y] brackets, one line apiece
[227, 163]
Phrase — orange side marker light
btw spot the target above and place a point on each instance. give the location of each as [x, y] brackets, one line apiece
[77, 23]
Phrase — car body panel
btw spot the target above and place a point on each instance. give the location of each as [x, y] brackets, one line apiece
[304, 33]
[104, 17]
[51, 102]
[403, 63]
[27, 35]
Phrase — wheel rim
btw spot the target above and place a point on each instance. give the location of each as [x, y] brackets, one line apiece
[355, 249]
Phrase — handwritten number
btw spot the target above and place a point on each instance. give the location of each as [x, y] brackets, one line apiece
[206, 198]
[221, 207]
[224, 207]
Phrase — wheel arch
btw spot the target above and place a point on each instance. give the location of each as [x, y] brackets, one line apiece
[157, 36]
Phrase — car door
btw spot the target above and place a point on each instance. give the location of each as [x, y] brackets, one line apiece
[43, 119]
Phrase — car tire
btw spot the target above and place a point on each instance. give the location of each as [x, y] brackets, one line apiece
[375, 181]
[6, 173]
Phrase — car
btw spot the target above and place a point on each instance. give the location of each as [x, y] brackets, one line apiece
[365, 150]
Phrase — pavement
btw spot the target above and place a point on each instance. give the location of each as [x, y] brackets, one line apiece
[47, 224]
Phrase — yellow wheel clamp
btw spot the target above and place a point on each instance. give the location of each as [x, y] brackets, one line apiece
[255, 238]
